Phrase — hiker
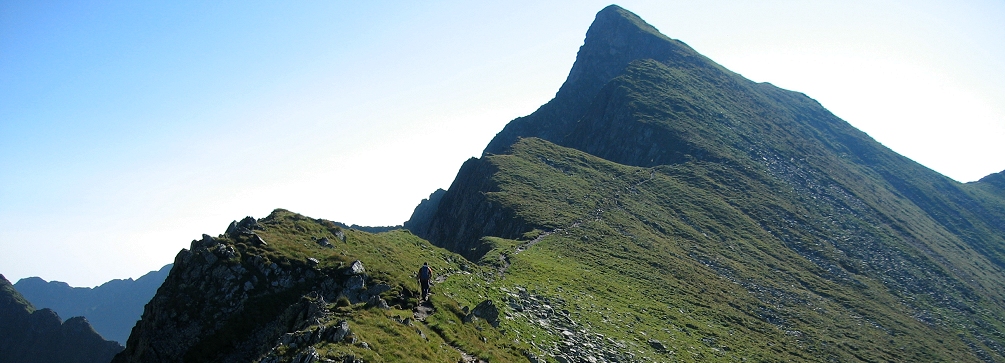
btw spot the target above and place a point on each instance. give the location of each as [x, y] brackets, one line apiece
[425, 273]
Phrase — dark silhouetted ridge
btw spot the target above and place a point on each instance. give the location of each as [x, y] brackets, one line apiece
[112, 308]
[28, 335]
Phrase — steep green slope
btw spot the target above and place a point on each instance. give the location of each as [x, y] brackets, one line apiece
[740, 200]
[687, 256]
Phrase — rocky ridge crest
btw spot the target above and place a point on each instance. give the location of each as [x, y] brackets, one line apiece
[228, 287]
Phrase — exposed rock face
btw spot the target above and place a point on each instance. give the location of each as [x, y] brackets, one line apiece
[424, 212]
[112, 308]
[226, 301]
[29, 335]
[465, 214]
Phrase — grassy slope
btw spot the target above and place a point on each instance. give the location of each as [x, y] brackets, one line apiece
[392, 258]
[675, 253]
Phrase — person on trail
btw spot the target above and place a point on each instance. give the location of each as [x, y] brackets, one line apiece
[425, 273]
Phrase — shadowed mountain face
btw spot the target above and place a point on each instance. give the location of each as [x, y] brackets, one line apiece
[112, 308]
[656, 159]
[28, 335]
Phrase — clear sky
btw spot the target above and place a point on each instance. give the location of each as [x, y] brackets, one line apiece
[130, 128]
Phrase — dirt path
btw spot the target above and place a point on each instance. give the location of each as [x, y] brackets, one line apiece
[423, 310]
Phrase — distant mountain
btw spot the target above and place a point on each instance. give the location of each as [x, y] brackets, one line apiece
[112, 308]
[659, 208]
[28, 335]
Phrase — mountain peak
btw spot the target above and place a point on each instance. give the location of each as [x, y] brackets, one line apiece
[616, 38]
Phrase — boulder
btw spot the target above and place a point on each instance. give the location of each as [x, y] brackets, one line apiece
[337, 333]
[657, 345]
[355, 283]
[258, 239]
[356, 268]
[487, 310]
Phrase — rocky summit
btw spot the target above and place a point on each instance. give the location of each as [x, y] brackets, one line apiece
[659, 209]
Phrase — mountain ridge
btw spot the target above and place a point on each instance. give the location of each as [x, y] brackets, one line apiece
[659, 208]
[28, 335]
[112, 308]
[689, 113]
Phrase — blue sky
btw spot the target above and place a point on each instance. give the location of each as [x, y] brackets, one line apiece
[127, 129]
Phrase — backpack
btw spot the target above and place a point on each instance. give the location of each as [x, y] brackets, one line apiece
[424, 272]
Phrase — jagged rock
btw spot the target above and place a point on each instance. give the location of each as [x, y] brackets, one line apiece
[312, 262]
[249, 223]
[533, 358]
[340, 235]
[258, 240]
[210, 258]
[340, 331]
[330, 289]
[323, 242]
[356, 268]
[244, 227]
[657, 345]
[231, 229]
[309, 355]
[487, 310]
[375, 300]
[225, 252]
[355, 283]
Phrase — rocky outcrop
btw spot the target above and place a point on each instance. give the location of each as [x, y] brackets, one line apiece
[486, 310]
[28, 335]
[231, 299]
